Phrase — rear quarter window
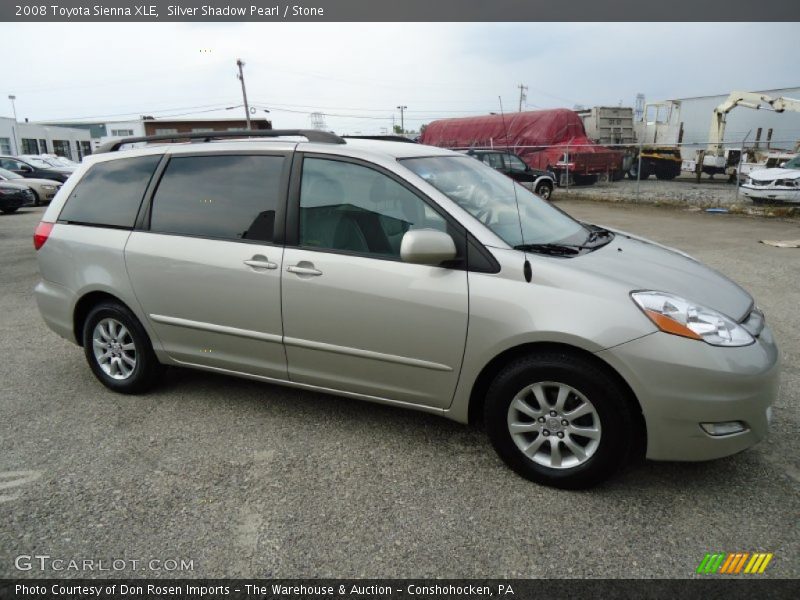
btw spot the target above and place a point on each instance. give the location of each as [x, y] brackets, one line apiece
[110, 193]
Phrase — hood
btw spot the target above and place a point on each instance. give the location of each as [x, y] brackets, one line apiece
[639, 264]
[7, 185]
[29, 180]
[64, 170]
[770, 174]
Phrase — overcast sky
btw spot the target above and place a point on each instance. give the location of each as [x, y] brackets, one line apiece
[364, 71]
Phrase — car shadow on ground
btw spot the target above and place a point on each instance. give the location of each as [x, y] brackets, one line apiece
[452, 441]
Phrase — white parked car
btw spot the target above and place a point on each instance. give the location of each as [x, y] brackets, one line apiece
[779, 185]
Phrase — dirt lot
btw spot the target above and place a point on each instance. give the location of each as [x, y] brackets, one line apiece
[248, 479]
[683, 191]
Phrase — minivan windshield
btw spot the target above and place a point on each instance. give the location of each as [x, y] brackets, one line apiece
[490, 197]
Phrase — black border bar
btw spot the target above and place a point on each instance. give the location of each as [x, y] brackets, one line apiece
[406, 11]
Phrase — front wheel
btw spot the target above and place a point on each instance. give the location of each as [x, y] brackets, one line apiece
[8, 211]
[118, 349]
[544, 190]
[559, 420]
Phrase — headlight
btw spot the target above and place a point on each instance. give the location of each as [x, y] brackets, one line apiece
[48, 187]
[677, 316]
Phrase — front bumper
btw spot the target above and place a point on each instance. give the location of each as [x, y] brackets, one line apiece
[8, 201]
[681, 383]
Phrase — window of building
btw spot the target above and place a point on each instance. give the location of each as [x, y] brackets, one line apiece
[110, 193]
[61, 148]
[201, 129]
[226, 197]
[122, 132]
[85, 148]
[166, 130]
[5, 145]
[29, 146]
[42, 146]
[352, 208]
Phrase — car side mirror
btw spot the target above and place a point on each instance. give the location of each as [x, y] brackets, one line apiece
[427, 247]
[25, 169]
[782, 164]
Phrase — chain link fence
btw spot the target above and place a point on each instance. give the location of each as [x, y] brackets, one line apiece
[692, 173]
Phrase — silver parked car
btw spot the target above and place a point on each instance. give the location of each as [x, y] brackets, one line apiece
[407, 275]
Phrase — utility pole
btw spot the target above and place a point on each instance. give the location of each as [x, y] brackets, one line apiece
[12, 97]
[523, 95]
[240, 64]
[402, 121]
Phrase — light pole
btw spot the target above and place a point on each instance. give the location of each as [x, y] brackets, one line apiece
[402, 122]
[12, 97]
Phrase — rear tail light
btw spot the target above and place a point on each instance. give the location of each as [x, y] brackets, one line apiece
[41, 234]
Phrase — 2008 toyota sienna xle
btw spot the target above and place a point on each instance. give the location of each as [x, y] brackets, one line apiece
[407, 275]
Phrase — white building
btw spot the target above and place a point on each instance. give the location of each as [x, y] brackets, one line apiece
[33, 138]
[768, 128]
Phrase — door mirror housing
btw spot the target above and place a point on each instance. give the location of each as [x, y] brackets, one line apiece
[25, 169]
[427, 247]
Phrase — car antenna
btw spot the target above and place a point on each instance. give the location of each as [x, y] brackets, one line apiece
[526, 267]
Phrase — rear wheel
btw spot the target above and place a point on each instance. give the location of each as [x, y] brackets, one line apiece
[559, 420]
[544, 189]
[8, 211]
[118, 349]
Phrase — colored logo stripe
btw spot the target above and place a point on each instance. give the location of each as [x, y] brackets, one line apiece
[731, 564]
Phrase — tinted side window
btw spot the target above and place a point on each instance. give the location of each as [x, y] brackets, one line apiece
[357, 209]
[110, 192]
[494, 160]
[228, 197]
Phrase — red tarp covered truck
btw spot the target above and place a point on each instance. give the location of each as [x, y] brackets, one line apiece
[542, 138]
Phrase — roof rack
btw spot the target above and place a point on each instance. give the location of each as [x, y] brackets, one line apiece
[383, 138]
[312, 135]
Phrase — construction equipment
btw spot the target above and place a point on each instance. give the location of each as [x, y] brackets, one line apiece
[715, 159]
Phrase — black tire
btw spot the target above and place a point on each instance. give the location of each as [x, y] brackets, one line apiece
[665, 174]
[147, 369]
[36, 200]
[8, 211]
[544, 189]
[604, 394]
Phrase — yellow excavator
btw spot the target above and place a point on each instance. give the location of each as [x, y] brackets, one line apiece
[714, 160]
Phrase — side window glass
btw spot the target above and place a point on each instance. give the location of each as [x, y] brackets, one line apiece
[352, 208]
[495, 160]
[110, 192]
[227, 197]
[515, 163]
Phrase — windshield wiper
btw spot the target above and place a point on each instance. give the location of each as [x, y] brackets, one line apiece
[556, 249]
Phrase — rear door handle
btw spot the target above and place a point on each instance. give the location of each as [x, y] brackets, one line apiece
[260, 263]
[298, 269]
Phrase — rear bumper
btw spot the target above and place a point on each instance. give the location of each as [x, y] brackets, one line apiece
[55, 305]
[682, 383]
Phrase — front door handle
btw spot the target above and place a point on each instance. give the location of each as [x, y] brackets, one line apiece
[260, 262]
[304, 268]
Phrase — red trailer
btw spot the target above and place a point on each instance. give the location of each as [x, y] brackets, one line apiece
[543, 138]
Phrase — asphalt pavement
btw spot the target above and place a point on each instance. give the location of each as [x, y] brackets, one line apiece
[224, 477]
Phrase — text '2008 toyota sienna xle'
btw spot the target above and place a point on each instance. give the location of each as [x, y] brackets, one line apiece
[407, 275]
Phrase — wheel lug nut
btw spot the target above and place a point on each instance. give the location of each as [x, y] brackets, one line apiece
[541, 419]
[545, 432]
[552, 413]
[561, 434]
[564, 422]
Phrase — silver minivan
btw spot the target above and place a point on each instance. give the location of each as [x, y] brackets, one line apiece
[408, 275]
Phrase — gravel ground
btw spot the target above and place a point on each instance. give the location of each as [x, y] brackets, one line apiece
[248, 479]
[683, 191]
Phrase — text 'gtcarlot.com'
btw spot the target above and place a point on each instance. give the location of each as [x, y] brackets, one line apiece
[44, 562]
